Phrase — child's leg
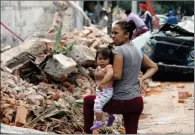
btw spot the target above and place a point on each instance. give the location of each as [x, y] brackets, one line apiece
[98, 113]
[105, 96]
[101, 99]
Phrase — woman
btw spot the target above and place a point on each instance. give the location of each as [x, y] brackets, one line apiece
[127, 98]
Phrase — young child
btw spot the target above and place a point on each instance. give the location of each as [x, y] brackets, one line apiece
[104, 90]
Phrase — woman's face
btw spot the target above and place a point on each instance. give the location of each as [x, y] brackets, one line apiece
[119, 36]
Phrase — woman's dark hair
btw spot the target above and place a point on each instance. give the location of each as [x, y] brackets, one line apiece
[106, 53]
[127, 12]
[127, 27]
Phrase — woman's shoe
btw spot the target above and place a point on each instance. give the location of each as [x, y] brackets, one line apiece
[110, 121]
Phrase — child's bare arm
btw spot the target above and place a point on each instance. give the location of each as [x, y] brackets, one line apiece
[108, 76]
[97, 75]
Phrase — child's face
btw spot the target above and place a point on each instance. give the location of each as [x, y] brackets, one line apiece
[102, 62]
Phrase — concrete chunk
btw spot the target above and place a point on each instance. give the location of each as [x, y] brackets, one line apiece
[59, 65]
[83, 54]
[35, 47]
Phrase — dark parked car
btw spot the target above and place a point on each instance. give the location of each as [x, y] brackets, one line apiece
[172, 48]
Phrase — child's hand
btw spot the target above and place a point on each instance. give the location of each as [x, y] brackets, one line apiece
[100, 87]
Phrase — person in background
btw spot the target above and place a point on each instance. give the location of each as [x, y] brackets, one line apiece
[103, 19]
[179, 17]
[139, 24]
[146, 15]
[172, 19]
[91, 17]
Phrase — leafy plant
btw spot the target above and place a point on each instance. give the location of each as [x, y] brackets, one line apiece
[64, 48]
[58, 38]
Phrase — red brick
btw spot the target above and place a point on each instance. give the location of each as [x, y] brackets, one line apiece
[5, 120]
[55, 96]
[148, 90]
[183, 95]
[180, 85]
[11, 101]
[21, 116]
[180, 101]
[189, 95]
[66, 84]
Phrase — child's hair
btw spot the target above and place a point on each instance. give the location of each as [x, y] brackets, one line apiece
[106, 53]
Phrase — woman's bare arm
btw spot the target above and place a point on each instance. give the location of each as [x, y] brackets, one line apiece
[151, 67]
[118, 67]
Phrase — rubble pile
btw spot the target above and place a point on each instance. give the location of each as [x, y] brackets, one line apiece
[42, 90]
[43, 107]
[91, 37]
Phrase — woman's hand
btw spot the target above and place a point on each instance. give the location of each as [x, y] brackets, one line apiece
[140, 85]
[151, 67]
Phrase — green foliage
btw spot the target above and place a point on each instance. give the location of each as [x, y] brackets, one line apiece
[58, 38]
[61, 49]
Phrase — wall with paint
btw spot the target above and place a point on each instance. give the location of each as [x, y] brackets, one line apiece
[29, 19]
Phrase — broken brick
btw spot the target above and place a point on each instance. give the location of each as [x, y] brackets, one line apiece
[180, 101]
[189, 95]
[21, 115]
[63, 77]
[66, 84]
[183, 95]
[95, 132]
[121, 130]
[5, 106]
[55, 96]
[46, 85]
[11, 101]
[5, 120]
[32, 99]
[180, 85]
[148, 90]
[71, 89]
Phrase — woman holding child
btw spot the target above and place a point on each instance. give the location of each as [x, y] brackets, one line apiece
[120, 78]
